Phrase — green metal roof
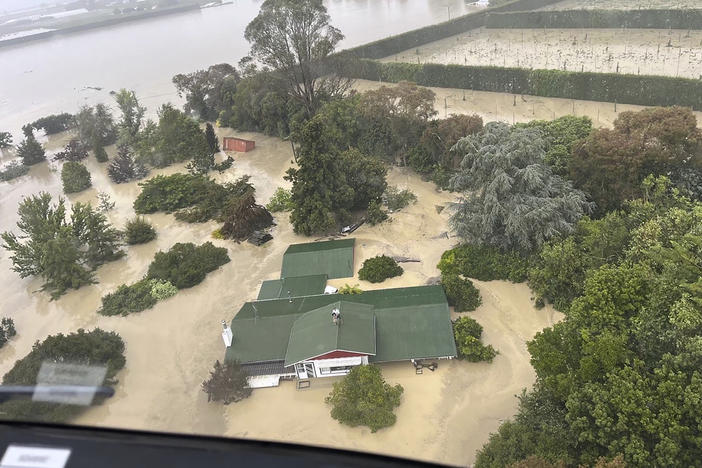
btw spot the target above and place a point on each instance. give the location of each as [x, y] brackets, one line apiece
[331, 258]
[314, 333]
[410, 323]
[292, 287]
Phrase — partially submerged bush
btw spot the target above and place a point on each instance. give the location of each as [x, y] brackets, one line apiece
[363, 398]
[13, 170]
[242, 216]
[397, 199]
[139, 231]
[75, 177]
[91, 348]
[461, 293]
[467, 333]
[198, 198]
[186, 265]
[378, 269]
[375, 213]
[31, 151]
[7, 330]
[128, 299]
[484, 263]
[227, 383]
[280, 201]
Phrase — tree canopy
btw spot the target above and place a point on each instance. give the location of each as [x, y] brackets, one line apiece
[31, 151]
[511, 198]
[363, 398]
[227, 383]
[64, 253]
[208, 92]
[294, 37]
[91, 348]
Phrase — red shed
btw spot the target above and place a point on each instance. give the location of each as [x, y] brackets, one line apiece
[237, 144]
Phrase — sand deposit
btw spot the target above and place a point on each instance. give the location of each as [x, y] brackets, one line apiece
[622, 4]
[445, 415]
[634, 51]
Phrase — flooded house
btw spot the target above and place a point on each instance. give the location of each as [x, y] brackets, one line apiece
[296, 330]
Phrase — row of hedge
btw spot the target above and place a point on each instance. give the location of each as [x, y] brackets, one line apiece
[645, 19]
[643, 90]
[394, 44]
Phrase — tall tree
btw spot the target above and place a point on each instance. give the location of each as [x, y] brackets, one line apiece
[180, 138]
[64, 254]
[511, 199]
[208, 92]
[294, 37]
[320, 193]
[211, 138]
[74, 151]
[31, 151]
[132, 115]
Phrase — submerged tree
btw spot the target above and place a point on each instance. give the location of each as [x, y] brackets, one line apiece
[96, 128]
[294, 37]
[125, 167]
[363, 398]
[5, 140]
[74, 151]
[511, 199]
[242, 216]
[132, 115]
[211, 138]
[75, 177]
[63, 253]
[227, 383]
[31, 151]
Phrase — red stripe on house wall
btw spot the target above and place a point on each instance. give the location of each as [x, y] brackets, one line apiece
[338, 354]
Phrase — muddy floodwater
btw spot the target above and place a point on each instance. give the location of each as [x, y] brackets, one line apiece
[622, 4]
[63, 73]
[633, 51]
[444, 416]
[515, 108]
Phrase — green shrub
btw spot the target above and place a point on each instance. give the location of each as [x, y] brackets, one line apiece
[461, 293]
[348, 289]
[198, 198]
[378, 269]
[100, 154]
[484, 263]
[75, 177]
[92, 348]
[128, 299]
[280, 201]
[363, 398]
[375, 213]
[139, 231]
[161, 290]
[467, 333]
[31, 151]
[227, 383]
[396, 199]
[12, 171]
[7, 330]
[186, 265]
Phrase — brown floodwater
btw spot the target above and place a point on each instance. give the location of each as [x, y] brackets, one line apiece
[445, 416]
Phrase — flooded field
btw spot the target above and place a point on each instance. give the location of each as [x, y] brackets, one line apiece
[445, 415]
[622, 4]
[633, 51]
[513, 108]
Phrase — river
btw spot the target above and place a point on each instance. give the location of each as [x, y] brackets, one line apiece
[61, 74]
